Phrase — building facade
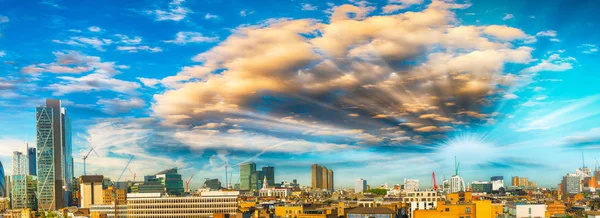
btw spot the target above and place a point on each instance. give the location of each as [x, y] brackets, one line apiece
[497, 182]
[571, 184]
[54, 156]
[481, 186]
[321, 177]
[360, 185]
[209, 203]
[411, 185]
[268, 172]
[248, 176]
[421, 200]
[172, 181]
[20, 163]
[32, 155]
[90, 190]
[518, 210]
[3, 191]
[457, 184]
[22, 192]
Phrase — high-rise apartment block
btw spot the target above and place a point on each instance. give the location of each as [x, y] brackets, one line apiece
[54, 156]
[360, 185]
[322, 178]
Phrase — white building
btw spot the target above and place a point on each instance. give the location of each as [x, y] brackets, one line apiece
[457, 184]
[411, 184]
[497, 182]
[360, 185]
[517, 210]
[421, 200]
[144, 205]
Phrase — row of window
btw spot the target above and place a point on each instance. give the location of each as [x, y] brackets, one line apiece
[174, 206]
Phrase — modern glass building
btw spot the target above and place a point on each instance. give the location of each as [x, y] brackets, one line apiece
[248, 176]
[268, 172]
[31, 156]
[2, 182]
[19, 163]
[172, 181]
[22, 192]
[54, 156]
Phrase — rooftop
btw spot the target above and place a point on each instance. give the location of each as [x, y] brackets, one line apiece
[371, 210]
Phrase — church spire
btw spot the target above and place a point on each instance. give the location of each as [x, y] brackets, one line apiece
[265, 183]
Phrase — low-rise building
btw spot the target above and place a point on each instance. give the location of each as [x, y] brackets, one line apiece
[519, 210]
[369, 212]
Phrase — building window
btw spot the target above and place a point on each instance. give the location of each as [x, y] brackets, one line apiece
[447, 209]
[468, 210]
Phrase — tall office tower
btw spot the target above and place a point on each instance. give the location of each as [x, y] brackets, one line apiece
[269, 172]
[3, 191]
[316, 176]
[324, 177]
[172, 181]
[360, 185]
[248, 176]
[55, 159]
[497, 182]
[31, 155]
[20, 162]
[571, 184]
[330, 180]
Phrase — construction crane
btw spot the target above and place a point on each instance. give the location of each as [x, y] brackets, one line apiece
[132, 173]
[115, 185]
[85, 158]
[435, 187]
[187, 183]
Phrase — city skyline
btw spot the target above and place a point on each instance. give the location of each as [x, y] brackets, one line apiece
[395, 90]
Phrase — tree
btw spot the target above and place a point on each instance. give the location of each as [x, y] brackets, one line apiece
[378, 191]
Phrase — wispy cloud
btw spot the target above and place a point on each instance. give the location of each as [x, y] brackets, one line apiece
[183, 38]
[120, 105]
[133, 49]
[4, 19]
[175, 12]
[588, 48]
[210, 16]
[309, 7]
[95, 29]
[508, 17]
[245, 13]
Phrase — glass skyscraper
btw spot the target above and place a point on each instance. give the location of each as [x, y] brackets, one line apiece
[172, 181]
[268, 172]
[2, 182]
[248, 176]
[54, 155]
[31, 155]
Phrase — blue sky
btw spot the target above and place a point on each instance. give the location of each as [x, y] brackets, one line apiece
[380, 90]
